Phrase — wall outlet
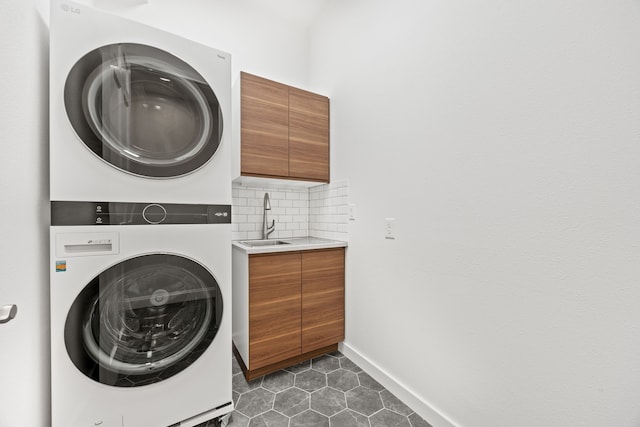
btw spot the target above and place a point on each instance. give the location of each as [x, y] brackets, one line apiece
[389, 228]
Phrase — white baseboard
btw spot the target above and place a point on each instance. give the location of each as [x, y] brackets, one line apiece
[402, 392]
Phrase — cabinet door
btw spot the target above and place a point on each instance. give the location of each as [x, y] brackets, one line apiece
[308, 135]
[274, 308]
[322, 298]
[264, 127]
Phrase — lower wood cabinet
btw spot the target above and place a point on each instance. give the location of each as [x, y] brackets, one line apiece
[275, 309]
[322, 298]
[295, 308]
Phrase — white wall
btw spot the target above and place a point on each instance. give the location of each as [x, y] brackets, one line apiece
[260, 41]
[504, 136]
[24, 280]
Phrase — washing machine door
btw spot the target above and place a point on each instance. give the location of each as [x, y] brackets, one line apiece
[143, 320]
[143, 110]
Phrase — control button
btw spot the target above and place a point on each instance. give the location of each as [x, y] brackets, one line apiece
[154, 213]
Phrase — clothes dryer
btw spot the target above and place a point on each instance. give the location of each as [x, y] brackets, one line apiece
[140, 314]
[136, 113]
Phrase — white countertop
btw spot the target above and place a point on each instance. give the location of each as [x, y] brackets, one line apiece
[293, 244]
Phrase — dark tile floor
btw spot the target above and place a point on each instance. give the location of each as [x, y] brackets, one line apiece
[328, 391]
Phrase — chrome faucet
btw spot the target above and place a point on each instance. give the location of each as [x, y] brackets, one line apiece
[266, 229]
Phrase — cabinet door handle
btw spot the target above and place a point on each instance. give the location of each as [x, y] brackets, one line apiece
[8, 312]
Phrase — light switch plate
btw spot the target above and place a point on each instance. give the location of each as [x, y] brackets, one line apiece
[352, 211]
[389, 228]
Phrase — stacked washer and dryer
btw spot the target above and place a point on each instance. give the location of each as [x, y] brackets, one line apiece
[140, 232]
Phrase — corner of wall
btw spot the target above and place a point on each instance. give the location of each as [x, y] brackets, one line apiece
[406, 395]
[329, 209]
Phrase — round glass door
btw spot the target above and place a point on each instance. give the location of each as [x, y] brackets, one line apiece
[143, 320]
[143, 110]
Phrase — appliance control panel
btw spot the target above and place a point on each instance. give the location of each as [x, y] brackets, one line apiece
[119, 213]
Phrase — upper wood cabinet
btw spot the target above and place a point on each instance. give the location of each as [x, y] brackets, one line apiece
[264, 125]
[284, 131]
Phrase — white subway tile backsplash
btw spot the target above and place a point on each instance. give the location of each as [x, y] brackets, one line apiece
[277, 211]
[247, 212]
[247, 194]
[319, 211]
[256, 219]
[244, 210]
[328, 211]
[247, 227]
[239, 219]
[254, 235]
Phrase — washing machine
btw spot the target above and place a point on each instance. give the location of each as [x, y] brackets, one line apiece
[140, 314]
[136, 113]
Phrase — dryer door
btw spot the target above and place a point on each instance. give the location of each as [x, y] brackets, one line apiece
[143, 110]
[143, 320]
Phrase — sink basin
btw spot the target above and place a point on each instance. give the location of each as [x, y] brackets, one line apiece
[264, 242]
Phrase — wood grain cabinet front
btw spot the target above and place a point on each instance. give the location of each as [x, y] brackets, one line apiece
[284, 131]
[264, 121]
[296, 307]
[308, 135]
[322, 298]
[274, 308]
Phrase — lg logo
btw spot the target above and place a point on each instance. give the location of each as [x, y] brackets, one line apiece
[67, 8]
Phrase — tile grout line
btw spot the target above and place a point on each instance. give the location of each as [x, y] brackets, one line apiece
[323, 371]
